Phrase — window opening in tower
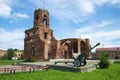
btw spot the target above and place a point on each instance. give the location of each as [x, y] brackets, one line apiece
[45, 21]
[46, 35]
[33, 51]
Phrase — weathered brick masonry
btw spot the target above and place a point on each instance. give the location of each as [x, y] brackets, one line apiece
[40, 43]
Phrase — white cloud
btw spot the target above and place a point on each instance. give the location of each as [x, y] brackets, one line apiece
[86, 6]
[7, 12]
[100, 32]
[115, 1]
[77, 11]
[11, 39]
[5, 9]
[20, 15]
[93, 27]
[7, 2]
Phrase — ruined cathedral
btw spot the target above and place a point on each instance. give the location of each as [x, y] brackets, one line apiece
[41, 44]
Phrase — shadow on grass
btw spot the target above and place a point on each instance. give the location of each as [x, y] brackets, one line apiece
[66, 69]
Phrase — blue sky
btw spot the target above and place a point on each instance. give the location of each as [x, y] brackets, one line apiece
[98, 20]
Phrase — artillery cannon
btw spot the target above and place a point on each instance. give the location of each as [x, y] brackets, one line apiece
[81, 59]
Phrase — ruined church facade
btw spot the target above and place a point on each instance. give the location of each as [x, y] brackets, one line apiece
[40, 43]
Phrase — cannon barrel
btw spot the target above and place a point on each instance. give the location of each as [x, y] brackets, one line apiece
[93, 47]
[83, 54]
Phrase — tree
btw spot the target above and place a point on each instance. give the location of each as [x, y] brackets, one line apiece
[16, 50]
[5, 57]
[104, 62]
[10, 53]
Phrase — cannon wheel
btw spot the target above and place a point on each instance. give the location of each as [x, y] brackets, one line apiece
[77, 63]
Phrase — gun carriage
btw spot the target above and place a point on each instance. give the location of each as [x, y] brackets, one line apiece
[80, 60]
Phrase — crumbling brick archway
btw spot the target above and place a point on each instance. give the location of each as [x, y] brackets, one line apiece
[67, 50]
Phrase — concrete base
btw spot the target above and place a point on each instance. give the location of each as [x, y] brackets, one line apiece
[63, 66]
[71, 68]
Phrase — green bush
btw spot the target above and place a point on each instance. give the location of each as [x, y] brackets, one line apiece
[116, 62]
[104, 62]
[10, 53]
[31, 59]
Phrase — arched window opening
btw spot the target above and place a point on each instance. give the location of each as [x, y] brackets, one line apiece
[65, 54]
[34, 33]
[28, 34]
[45, 35]
[45, 21]
[36, 17]
[116, 57]
[33, 51]
[75, 47]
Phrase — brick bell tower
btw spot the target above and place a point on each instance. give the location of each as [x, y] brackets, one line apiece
[41, 18]
[39, 41]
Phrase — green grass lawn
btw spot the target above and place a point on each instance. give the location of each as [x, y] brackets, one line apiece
[112, 73]
[9, 62]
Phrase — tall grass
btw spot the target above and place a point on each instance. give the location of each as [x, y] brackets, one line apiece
[112, 73]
